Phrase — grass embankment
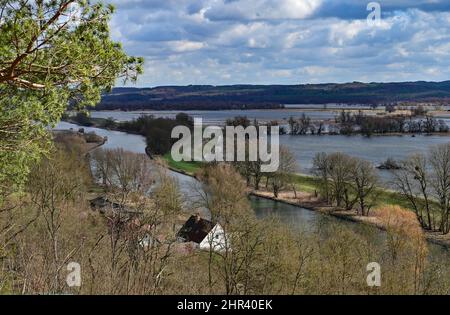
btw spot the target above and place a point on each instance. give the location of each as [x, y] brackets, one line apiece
[185, 167]
[304, 183]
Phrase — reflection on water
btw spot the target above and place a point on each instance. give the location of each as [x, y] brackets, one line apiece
[303, 219]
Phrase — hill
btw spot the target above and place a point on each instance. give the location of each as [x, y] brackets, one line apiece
[271, 96]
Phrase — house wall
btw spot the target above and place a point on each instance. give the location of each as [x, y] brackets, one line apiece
[215, 239]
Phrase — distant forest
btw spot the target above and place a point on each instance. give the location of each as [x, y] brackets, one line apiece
[207, 97]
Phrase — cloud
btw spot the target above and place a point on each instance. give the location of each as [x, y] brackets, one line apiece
[284, 41]
[247, 10]
[185, 45]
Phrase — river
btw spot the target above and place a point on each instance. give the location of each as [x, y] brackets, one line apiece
[296, 217]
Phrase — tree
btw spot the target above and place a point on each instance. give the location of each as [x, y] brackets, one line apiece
[364, 182]
[238, 121]
[425, 183]
[304, 124]
[52, 53]
[125, 173]
[321, 169]
[430, 124]
[412, 180]
[340, 170]
[224, 193]
[52, 183]
[283, 177]
[390, 108]
[440, 164]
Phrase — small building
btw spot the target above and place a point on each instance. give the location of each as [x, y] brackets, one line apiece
[206, 234]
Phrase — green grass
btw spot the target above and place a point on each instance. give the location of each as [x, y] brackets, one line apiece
[188, 167]
[307, 183]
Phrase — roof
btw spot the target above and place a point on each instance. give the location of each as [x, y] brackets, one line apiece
[195, 229]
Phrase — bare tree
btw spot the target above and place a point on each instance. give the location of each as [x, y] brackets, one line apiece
[412, 180]
[124, 172]
[364, 182]
[293, 126]
[321, 169]
[52, 184]
[304, 124]
[284, 176]
[440, 164]
[340, 170]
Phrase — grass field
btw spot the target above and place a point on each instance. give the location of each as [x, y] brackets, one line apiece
[187, 167]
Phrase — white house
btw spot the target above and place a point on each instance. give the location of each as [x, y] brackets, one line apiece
[206, 234]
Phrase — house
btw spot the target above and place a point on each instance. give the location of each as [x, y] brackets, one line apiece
[206, 234]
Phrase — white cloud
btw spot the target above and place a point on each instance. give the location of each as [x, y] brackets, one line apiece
[286, 41]
[185, 45]
[261, 9]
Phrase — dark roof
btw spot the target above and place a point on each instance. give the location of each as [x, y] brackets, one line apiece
[195, 229]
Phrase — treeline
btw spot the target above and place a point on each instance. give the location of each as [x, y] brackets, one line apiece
[349, 123]
[423, 180]
[157, 131]
[304, 125]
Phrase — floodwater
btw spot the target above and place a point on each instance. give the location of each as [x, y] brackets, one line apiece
[298, 218]
[376, 149]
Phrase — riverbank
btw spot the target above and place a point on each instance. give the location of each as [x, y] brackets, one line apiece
[303, 182]
[84, 142]
[310, 203]
[306, 198]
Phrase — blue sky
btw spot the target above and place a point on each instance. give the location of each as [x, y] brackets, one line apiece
[284, 41]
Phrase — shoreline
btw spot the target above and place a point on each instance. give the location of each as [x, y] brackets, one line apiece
[432, 237]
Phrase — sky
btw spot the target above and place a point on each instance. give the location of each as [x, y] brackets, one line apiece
[221, 42]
